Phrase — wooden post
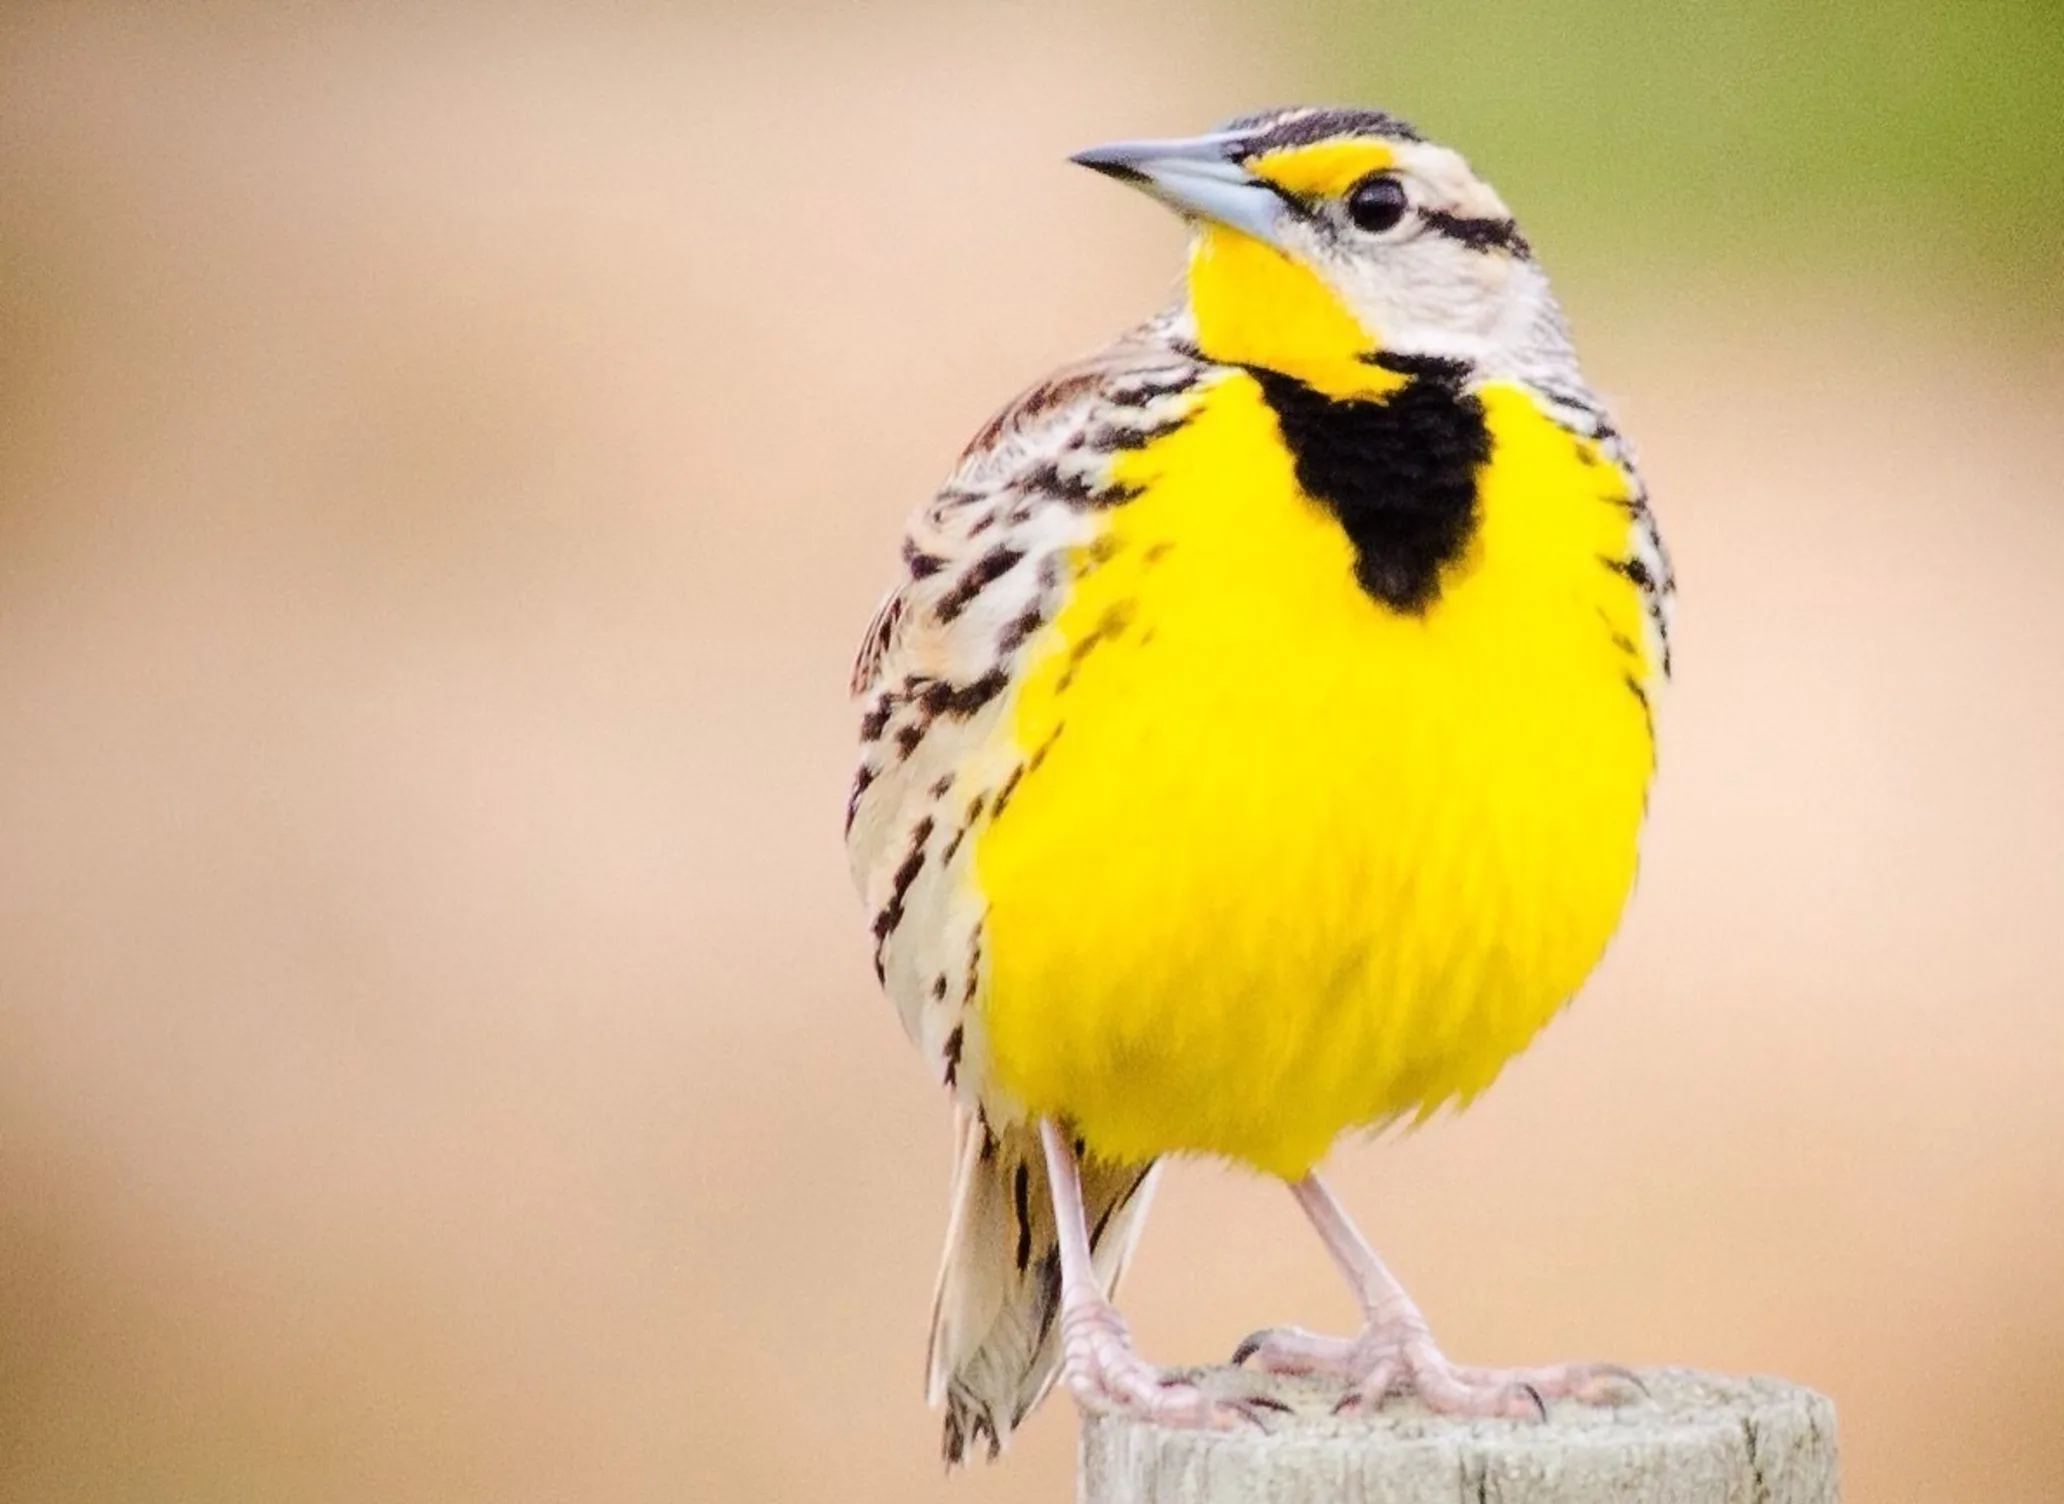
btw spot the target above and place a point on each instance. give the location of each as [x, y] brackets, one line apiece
[1697, 1438]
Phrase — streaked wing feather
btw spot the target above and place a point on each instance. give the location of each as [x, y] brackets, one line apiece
[986, 565]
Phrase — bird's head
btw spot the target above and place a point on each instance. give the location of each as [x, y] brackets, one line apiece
[1339, 246]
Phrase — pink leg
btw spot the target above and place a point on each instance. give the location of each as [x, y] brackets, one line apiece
[1097, 1358]
[1396, 1351]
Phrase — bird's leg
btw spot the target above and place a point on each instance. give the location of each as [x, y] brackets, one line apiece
[1097, 1358]
[1396, 1351]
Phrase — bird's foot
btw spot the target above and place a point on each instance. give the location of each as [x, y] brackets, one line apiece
[1107, 1376]
[1401, 1358]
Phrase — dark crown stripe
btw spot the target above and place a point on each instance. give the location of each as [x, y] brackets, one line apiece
[1285, 127]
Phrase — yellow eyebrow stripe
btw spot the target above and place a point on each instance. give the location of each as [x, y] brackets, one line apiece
[1322, 169]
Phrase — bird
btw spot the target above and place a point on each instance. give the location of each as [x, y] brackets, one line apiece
[1254, 750]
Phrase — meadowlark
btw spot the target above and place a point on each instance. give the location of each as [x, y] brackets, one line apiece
[1255, 748]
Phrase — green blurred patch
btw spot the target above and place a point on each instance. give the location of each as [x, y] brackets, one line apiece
[1913, 149]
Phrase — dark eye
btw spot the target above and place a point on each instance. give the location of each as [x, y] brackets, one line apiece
[1376, 203]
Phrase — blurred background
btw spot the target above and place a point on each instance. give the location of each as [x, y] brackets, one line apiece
[447, 457]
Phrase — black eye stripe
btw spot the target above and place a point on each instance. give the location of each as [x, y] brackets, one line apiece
[1479, 234]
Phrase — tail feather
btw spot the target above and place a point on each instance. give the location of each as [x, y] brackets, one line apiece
[995, 1341]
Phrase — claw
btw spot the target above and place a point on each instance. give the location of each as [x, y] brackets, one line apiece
[1289, 1349]
[1612, 1373]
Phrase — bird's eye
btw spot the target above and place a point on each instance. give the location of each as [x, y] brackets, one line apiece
[1376, 203]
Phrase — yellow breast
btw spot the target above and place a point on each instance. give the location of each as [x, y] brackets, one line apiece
[1286, 861]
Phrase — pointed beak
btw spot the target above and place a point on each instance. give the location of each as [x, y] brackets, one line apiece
[1198, 177]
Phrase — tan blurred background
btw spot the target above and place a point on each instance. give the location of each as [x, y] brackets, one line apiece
[446, 459]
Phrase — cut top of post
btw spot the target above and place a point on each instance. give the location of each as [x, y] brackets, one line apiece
[1695, 1438]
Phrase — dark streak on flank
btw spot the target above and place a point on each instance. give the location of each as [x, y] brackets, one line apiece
[1021, 1198]
[983, 573]
[1020, 628]
[891, 913]
[1076, 657]
[1647, 710]
[1116, 618]
[861, 782]
[1078, 650]
[918, 562]
[1113, 438]
[1003, 795]
[954, 1042]
[1619, 639]
[1633, 569]
[1039, 753]
[1046, 479]
[1564, 396]
[963, 700]
[1479, 234]
[975, 807]
[1652, 596]
[907, 738]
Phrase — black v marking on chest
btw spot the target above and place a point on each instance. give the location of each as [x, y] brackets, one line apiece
[1398, 472]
